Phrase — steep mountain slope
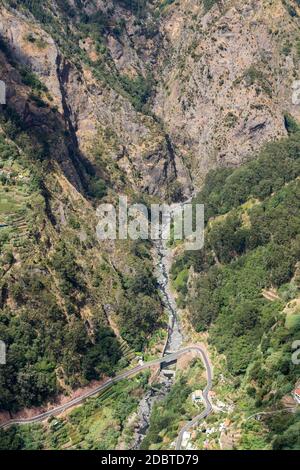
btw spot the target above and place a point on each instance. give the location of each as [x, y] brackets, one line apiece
[69, 51]
[226, 78]
[59, 285]
[143, 98]
[182, 86]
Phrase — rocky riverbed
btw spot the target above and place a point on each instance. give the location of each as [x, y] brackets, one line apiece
[162, 257]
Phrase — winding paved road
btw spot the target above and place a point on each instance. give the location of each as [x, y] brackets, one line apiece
[124, 375]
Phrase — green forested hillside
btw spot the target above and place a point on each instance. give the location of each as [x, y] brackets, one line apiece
[252, 245]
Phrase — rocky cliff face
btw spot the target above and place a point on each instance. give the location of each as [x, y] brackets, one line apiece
[67, 140]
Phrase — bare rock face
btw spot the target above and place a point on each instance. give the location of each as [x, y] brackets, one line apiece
[89, 107]
[42, 123]
[227, 83]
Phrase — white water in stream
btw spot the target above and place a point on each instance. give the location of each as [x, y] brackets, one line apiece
[163, 261]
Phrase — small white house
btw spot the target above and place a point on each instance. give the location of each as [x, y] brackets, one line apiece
[2, 92]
